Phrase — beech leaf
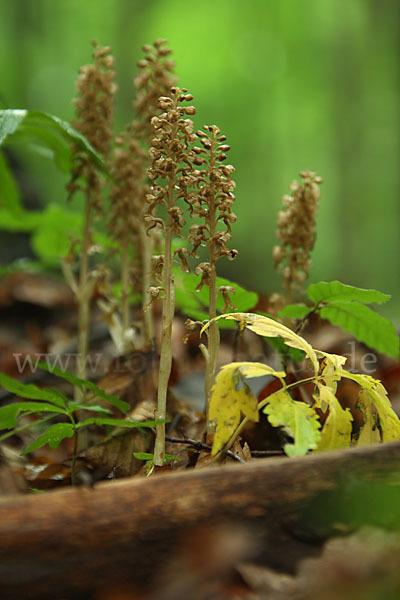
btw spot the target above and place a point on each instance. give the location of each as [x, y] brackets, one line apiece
[333, 291]
[295, 311]
[297, 419]
[369, 433]
[266, 326]
[336, 432]
[231, 397]
[388, 420]
[365, 324]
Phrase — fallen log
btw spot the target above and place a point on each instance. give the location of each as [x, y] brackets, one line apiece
[67, 543]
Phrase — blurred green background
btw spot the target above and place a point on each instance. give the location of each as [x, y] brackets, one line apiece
[294, 84]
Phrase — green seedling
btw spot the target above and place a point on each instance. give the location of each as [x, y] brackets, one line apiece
[44, 401]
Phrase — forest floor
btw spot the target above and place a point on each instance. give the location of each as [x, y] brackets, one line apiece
[202, 529]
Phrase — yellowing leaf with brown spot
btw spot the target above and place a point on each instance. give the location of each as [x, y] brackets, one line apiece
[231, 397]
[369, 433]
[336, 432]
[388, 420]
[270, 328]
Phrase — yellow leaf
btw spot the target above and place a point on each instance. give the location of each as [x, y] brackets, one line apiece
[230, 398]
[330, 369]
[270, 328]
[255, 369]
[388, 420]
[369, 433]
[336, 432]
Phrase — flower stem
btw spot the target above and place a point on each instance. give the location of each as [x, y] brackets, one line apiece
[166, 338]
[125, 266]
[147, 252]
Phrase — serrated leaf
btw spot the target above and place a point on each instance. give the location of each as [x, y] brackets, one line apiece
[31, 391]
[297, 419]
[117, 422]
[388, 420]
[230, 397]
[53, 436]
[266, 326]
[48, 133]
[365, 324]
[295, 311]
[85, 383]
[333, 291]
[336, 432]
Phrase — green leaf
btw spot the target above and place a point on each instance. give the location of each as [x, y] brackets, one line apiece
[168, 457]
[51, 236]
[85, 383]
[53, 436]
[8, 416]
[143, 455]
[9, 193]
[10, 120]
[32, 392]
[22, 220]
[90, 407]
[365, 324]
[295, 311]
[333, 291]
[294, 354]
[297, 419]
[195, 304]
[50, 135]
[150, 457]
[9, 413]
[21, 264]
[117, 422]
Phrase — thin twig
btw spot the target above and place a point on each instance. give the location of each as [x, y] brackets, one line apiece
[304, 320]
[74, 455]
[260, 453]
[200, 446]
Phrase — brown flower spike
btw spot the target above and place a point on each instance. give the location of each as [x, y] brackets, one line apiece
[213, 204]
[128, 194]
[172, 176]
[94, 111]
[296, 232]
